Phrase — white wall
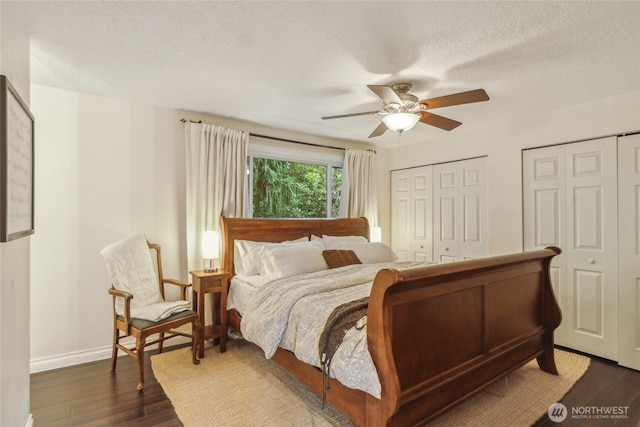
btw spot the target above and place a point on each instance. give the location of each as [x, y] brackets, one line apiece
[503, 146]
[105, 168]
[14, 255]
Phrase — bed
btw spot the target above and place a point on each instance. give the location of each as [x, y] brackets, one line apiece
[437, 334]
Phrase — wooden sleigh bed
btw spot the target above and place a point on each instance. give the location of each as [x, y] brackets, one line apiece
[437, 334]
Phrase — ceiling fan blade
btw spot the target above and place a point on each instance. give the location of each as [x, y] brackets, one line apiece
[477, 95]
[386, 93]
[382, 128]
[366, 113]
[439, 121]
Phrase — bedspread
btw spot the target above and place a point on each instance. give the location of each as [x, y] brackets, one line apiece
[291, 313]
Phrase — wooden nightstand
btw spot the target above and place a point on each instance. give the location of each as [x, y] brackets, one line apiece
[216, 283]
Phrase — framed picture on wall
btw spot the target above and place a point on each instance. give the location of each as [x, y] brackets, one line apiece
[16, 164]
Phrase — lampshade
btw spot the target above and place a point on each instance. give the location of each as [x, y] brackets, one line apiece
[376, 234]
[211, 245]
[401, 122]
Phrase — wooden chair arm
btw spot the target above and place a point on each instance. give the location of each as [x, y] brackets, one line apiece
[127, 303]
[183, 286]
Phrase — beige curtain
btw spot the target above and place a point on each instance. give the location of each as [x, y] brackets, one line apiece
[359, 195]
[216, 170]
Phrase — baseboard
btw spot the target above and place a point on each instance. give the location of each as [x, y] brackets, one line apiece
[86, 356]
[70, 359]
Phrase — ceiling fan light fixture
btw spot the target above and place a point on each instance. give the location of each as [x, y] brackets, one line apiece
[401, 122]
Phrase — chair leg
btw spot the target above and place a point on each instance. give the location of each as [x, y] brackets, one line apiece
[140, 343]
[160, 342]
[114, 351]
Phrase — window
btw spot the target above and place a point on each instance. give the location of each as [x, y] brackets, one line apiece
[294, 183]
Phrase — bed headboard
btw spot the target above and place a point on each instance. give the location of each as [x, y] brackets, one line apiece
[278, 230]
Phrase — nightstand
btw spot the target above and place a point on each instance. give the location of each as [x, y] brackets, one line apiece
[215, 283]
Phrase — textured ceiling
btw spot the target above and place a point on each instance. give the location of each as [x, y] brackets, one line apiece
[286, 64]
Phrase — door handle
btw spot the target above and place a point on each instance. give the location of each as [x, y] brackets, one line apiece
[591, 261]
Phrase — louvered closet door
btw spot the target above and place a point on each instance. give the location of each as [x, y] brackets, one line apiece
[544, 207]
[401, 219]
[592, 246]
[629, 253]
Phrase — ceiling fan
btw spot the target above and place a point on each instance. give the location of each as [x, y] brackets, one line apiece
[402, 110]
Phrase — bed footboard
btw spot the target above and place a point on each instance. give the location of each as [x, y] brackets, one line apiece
[440, 333]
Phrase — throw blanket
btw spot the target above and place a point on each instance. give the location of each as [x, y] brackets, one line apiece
[292, 312]
[342, 319]
[159, 311]
[130, 269]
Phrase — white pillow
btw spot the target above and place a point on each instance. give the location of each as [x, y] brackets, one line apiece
[237, 258]
[333, 242]
[248, 262]
[370, 253]
[294, 259]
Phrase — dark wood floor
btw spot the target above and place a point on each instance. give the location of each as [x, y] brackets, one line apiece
[604, 385]
[90, 395]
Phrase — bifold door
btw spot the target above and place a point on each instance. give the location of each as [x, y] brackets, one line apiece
[629, 253]
[570, 201]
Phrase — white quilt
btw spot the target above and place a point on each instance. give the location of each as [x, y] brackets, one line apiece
[130, 269]
[291, 313]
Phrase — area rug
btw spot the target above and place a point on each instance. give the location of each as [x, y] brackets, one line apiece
[242, 388]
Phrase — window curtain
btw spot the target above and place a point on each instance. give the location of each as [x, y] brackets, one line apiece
[216, 168]
[359, 195]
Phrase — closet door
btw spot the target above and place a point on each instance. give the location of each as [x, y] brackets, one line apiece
[570, 201]
[473, 242]
[401, 209]
[629, 253]
[421, 237]
[459, 214]
[592, 246]
[446, 180]
[545, 211]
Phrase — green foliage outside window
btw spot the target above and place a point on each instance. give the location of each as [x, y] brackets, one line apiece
[336, 192]
[283, 189]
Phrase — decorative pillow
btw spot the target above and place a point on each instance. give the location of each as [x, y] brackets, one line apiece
[294, 259]
[371, 252]
[248, 263]
[339, 258]
[333, 242]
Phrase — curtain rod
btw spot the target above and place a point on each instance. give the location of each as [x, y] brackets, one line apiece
[301, 142]
[257, 135]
